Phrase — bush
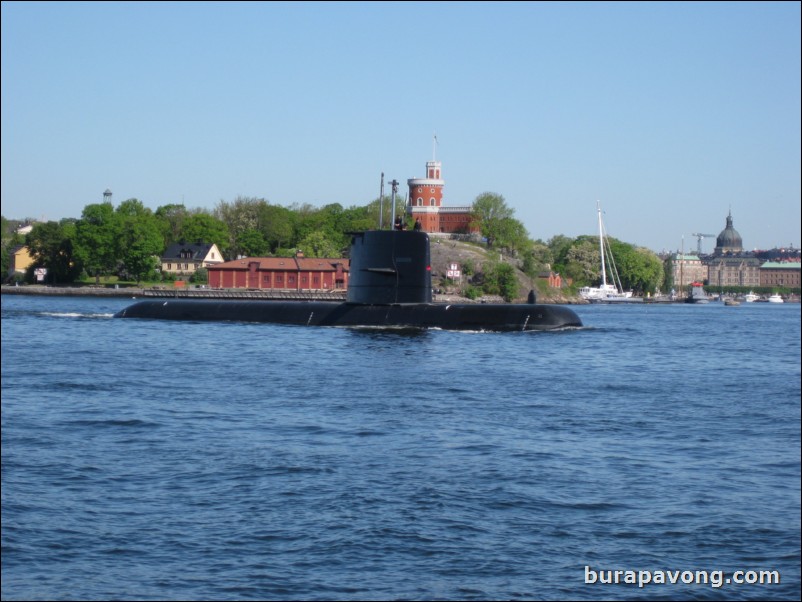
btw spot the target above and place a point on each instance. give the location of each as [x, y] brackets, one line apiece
[201, 276]
[472, 292]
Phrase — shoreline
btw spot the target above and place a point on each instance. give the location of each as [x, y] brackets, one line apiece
[197, 293]
[206, 293]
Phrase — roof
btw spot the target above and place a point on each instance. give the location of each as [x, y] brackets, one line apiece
[320, 264]
[179, 250]
[311, 264]
[687, 257]
[733, 260]
[729, 237]
[781, 265]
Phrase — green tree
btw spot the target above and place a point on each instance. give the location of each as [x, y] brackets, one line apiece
[582, 261]
[316, 244]
[500, 279]
[641, 270]
[308, 219]
[537, 257]
[241, 215]
[5, 259]
[357, 219]
[529, 265]
[559, 246]
[252, 244]
[200, 276]
[488, 213]
[380, 208]
[141, 239]
[202, 227]
[171, 219]
[50, 245]
[97, 239]
[276, 225]
[512, 236]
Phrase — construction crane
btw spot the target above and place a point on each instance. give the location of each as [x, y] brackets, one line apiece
[699, 238]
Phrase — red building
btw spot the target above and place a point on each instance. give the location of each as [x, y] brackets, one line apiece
[281, 273]
[426, 203]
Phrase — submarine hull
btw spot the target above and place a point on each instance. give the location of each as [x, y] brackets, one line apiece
[390, 286]
[479, 317]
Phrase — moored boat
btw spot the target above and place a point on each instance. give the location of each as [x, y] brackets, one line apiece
[698, 294]
[607, 292]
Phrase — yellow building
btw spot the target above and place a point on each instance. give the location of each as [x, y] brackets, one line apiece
[20, 260]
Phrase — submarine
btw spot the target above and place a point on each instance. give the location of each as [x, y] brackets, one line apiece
[390, 286]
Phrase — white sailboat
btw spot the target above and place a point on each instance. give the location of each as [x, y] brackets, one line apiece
[606, 292]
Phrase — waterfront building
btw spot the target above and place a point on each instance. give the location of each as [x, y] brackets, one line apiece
[730, 265]
[185, 258]
[780, 274]
[687, 268]
[19, 260]
[297, 273]
[733, 271]
[425, 202]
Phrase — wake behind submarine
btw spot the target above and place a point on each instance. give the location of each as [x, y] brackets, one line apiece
[390, 286]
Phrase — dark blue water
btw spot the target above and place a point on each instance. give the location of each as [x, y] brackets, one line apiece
[171, 460]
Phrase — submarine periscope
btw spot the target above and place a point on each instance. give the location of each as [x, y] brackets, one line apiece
[390, 287]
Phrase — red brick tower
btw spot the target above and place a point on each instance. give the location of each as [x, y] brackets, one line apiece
[426, 196]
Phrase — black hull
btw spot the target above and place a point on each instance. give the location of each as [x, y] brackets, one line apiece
[479, 317]
[390, 286]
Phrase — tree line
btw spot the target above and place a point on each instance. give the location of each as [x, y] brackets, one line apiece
[127, 241]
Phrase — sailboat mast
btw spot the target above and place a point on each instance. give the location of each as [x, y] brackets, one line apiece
[601, 247]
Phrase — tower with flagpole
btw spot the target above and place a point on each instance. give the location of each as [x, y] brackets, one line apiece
[425, 201]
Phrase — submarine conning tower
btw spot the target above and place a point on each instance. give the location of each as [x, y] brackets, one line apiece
[390, 266]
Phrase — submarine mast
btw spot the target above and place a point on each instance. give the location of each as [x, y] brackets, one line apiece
[381, 204]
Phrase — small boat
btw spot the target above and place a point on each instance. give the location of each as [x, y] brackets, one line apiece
[775, 298]
[698, 294]
[751, 297]
[730, 302]
[607, 292]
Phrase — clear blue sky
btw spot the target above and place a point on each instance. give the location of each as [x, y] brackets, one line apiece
[670, 114]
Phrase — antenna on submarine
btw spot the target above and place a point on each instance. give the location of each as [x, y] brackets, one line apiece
[394, 184]
[381, 204]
